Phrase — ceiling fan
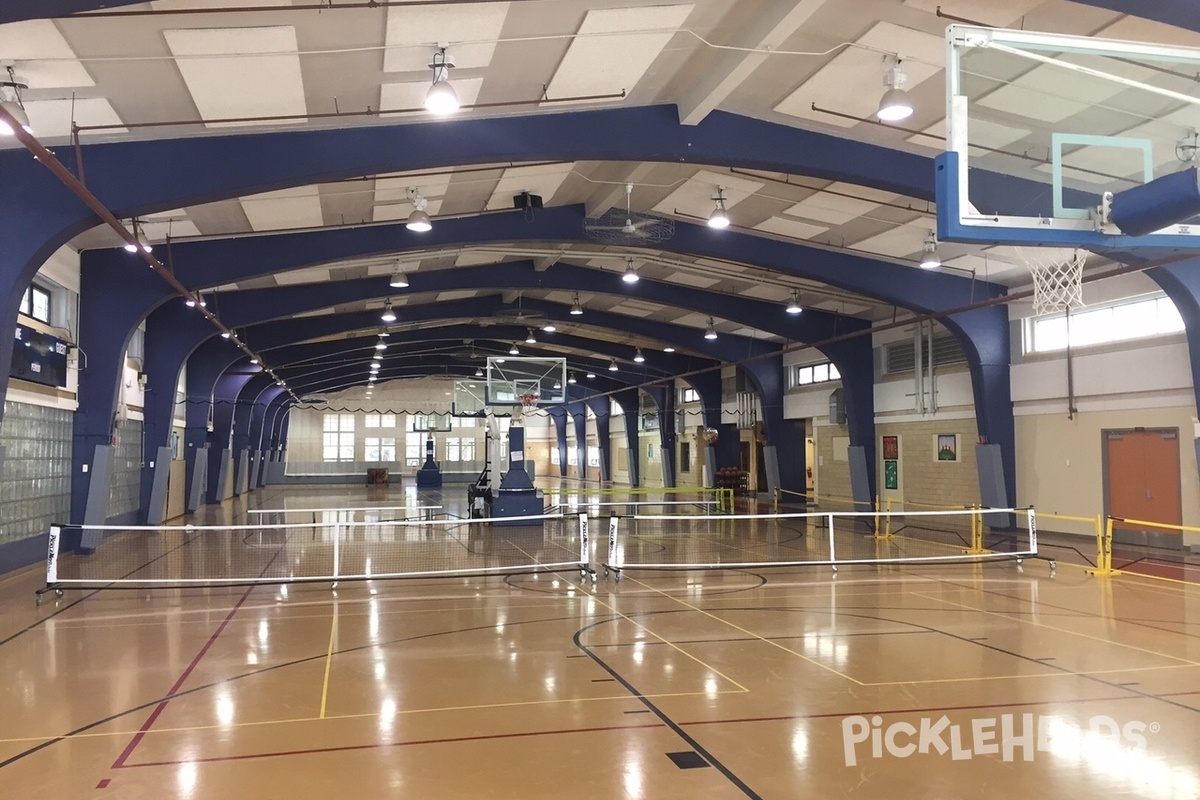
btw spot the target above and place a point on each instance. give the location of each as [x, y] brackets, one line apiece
[626, 226]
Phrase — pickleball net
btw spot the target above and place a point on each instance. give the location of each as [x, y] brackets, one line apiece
[833, 538]
[322, 551]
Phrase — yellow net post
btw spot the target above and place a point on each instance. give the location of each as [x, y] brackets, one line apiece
[884, 519]
[976, 547]
[1104, 542]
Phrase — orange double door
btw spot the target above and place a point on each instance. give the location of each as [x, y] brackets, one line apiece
[1142, 482]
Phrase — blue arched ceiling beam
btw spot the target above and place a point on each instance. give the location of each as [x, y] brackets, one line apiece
[1171, 12]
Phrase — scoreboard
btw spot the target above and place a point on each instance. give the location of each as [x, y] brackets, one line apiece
[39, 357]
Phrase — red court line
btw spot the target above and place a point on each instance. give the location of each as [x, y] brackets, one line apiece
[380, 745]
[158, 710]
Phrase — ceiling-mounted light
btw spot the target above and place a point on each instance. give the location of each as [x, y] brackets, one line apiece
[441, 99]
[500, 359]
[895, 104]
[200, 301]
[630, 275]
[479, 372]
[929, 253]
[381, 345]
[549, 327]
[711, 332]
[557, 384]
[140, 236]
[529, 339]
[253, 359]
[668, 349]
[718, 218]
[793, 306]
[388, 315]
[591, 375]
[376, 363]
[226, 334]
[612, 365]
[10, 99]
[638, 357]
[576, 307]
[513, 351]
[418, 220]
[398, 280]
[571, 377]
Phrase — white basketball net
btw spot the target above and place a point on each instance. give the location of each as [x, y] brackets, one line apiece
[1057, 279]
[529, 403]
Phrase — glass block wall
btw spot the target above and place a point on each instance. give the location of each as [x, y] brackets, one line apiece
[124, 494]
[35, 480]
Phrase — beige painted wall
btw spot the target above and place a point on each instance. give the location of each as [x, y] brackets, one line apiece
[1061, 467]
[832, 471]
[923, 479]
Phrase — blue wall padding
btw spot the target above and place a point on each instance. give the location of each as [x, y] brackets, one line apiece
[1155, 205]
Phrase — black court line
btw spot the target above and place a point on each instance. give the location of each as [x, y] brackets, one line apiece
[688, 760]
[92, 593]
[662, 715]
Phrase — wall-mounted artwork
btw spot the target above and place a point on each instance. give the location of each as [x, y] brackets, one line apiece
[891, 448]
[947, 447]
[891, 474]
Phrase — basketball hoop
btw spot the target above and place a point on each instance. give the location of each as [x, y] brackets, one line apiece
[1057, 279]
[529, 403]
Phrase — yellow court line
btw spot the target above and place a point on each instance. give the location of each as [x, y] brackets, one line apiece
[329, 661]
[1185, 661]
[652, 633]
[751, 634]
[1054, 674]
[367, 715]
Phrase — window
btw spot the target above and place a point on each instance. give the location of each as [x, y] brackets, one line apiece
[685, 456]
[593, 456]
[814, 373]
[453, 452]
[338, 442]
[36, 303]
[1115, 323]
[380, 449]
[464, 422]
[554, 457]
[380, 421]
[689, 396]
[414, 444]
[467, 449]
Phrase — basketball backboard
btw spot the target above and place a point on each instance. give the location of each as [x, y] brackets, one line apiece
[1045, 135]
[510, 378]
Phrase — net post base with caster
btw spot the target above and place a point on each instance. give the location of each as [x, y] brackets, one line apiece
[613, 572]
[585, 572]
[38, 594]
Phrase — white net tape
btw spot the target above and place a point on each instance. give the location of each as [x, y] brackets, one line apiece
[1057, 279]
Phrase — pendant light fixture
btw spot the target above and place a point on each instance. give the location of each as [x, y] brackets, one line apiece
[388, 315]
[711, 333]
[719, 219]
[793, 306]
[441, 100]
[418, 221]
[630, 275]
[895, 104]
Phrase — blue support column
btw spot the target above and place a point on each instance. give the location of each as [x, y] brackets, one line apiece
[558, 415]
[578, 414]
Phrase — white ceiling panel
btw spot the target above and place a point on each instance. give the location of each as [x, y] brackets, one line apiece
[765, 291]
[473, 259]
[298, 207]
[42, 55]
[697, 320]
[412, 94]
[297, 276]
[695, 195]
[461, 294]
[986, 12]
[414, 32]
[691, 279]
[158, 231]
[240, 72]
[898, 242]
[540, 180]
[604, 59]
[830, 208]
[982, 132]
[792, 228]
[52, 118]
[852, 82]
[1052, 94]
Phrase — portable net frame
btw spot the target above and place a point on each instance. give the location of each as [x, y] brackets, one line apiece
[1057, 279]
[832, 538]
[313, 552]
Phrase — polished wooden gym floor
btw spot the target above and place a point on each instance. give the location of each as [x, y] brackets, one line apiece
[880, 682]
